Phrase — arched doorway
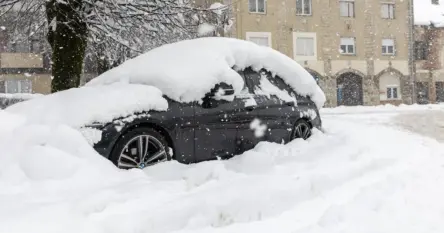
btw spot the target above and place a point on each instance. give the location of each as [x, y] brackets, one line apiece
[349, 88]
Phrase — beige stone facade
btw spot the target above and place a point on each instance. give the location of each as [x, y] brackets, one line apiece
[429, 60]
[23, 73]
[372, 65]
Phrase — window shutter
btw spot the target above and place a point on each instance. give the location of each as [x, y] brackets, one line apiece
[343, 7]
[309, 46]
[261, 6]
[2, 86]
[299, 9]
[252, 5]
[307, 7]
[384, 11]
[300, 47]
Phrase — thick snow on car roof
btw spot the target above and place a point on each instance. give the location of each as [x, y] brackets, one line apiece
[185, 71]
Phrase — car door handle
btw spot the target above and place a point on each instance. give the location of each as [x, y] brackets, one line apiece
[250, 108]
[289, 103]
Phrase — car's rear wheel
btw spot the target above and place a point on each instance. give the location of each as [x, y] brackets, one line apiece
[140, 148]
[302, 129]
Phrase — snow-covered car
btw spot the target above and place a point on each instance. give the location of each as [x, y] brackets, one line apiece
[191, 101]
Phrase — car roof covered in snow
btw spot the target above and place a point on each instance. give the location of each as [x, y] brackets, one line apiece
[185, 71]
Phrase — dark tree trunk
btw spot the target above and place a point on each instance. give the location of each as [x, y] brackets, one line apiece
[68, 42]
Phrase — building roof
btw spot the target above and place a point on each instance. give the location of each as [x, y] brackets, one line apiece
[427, 13]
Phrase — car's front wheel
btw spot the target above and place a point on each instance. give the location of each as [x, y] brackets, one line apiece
[302, 129]
[140, 148]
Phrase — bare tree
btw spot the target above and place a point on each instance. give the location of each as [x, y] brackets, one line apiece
[110, 30]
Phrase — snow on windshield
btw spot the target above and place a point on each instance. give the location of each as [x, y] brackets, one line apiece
[185, 71]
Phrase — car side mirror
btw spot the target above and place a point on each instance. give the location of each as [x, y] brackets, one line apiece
[221, 90]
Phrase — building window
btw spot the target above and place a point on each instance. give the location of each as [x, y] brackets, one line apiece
[435, 2]
[420, 50]
[256, 6]
[35, 46]
[24, 46]
[392, 92]
[260, 38]
[303, 7]
[388, 11]
[439, 86]
[348, 46]
[18, 86]
[388, 47]
[347, 8]
[2, 86]
[21, 46]
[304, 46]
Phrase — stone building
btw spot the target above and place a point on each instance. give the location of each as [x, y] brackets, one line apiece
[25, 62]
[357, 49]
[24, 67]
[429, 60]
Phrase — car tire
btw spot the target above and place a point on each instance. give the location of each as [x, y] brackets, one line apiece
[126, 152]
[302, 129]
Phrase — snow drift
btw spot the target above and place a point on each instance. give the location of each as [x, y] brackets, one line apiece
[7, 99]
[360, 176]
[185, 71]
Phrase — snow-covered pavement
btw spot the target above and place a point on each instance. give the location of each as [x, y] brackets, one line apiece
[373, 170]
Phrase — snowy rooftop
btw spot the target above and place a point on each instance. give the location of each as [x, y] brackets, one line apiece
[185, 71]
[428, 14]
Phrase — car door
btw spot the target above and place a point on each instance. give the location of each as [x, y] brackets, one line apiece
[217, 123]
[276, 105]
[180, 117]
[246, 136]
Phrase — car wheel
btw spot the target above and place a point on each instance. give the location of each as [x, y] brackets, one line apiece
[140, 148]
[302, 129]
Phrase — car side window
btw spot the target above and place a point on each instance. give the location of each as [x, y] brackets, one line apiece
[245, 89]
[279, 83]
[264, 84]
[253, 80]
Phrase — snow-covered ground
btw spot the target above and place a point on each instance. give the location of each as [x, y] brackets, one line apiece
[369, 172]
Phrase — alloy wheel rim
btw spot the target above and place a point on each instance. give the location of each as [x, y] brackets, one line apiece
[142, 151]
[302, 130]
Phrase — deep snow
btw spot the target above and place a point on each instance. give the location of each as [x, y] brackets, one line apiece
[366, 173]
